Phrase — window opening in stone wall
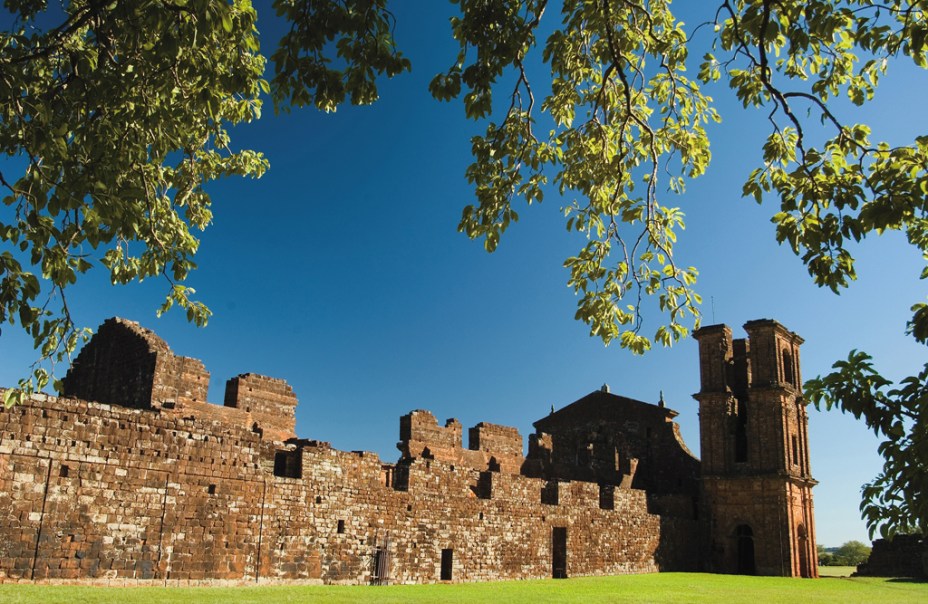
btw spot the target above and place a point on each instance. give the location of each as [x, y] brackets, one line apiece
[211, 489]
[484, 488]
[288, 464]
[744, 538]
[607, 497]
[63, 471]
[386, 474]
[795, 450]
[549, 494]
[401, 477]
[559, 552]
[341, 527]
[788, 368]
[447, 563]
[741, 431]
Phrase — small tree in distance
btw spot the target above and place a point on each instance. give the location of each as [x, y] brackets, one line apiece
[851, 553]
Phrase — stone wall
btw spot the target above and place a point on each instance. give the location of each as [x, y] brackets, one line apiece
[126, 364]
[98, 492]
[420, 433]
[134, 477]
[502, 443]
[271, 402]
[901, 556]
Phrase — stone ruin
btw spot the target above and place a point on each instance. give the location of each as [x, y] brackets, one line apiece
[901, 556]
[132, 477]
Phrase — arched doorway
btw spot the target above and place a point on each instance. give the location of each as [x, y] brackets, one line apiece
[744, 544]
[804, 566]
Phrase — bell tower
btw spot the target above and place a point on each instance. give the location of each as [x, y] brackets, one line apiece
[756, 479]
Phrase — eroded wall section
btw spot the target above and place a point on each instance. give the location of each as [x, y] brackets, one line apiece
[100, 492]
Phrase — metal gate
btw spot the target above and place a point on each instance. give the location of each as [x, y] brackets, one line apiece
[380, 573]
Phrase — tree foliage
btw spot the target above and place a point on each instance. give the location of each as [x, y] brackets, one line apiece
[850, 553]
[894, 502]
[825, 558]
[625, 116]
[119, 113]
[115, 117]
[361, 33]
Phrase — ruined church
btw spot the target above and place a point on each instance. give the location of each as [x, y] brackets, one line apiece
[132, 477]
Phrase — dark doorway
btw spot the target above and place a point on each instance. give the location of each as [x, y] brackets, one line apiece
[744, 537]
[447, 562]
[606, 497]
[804, 566]
[559, 552]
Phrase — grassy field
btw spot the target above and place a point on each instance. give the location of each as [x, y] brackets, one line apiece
[836, 571]
[664, 587]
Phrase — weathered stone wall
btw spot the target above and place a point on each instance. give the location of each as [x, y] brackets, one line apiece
[98, 492]
[420, 430]
[901, 556]
[490, 446]
[117, 366]
[126, 364]
[152, 484]
[271, 401]
[503, 443]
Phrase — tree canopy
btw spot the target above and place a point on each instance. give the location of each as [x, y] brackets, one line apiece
[119, 114]
[850, 553]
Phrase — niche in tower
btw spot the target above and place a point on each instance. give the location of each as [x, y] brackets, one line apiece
[741, 430]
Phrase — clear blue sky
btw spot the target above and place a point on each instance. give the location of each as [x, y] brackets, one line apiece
[341, 271]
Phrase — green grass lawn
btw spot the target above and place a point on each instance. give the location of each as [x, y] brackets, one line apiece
[664, 587]
[836, 571]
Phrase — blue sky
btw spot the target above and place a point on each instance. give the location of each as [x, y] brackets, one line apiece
[342, 271]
